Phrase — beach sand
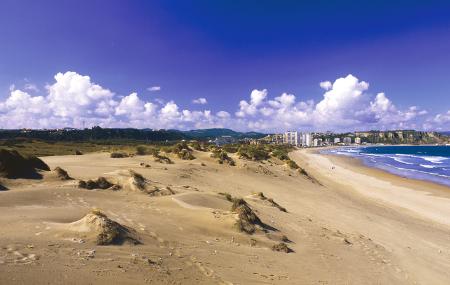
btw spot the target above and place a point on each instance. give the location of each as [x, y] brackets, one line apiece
[345, 226]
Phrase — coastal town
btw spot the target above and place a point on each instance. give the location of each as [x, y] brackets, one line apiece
[318, 139]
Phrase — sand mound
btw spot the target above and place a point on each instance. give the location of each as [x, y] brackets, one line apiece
[133, 181]
[129, 181]
[62, 174]
[14, 165]
[203, 200]
[103, 230]
[138, 183]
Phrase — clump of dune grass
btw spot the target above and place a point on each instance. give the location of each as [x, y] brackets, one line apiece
[77, 152]
[222, 157]
[141, 150]
[161, 158]
[253, 152]
[276, 205]
[281, 247]
[261, 196]
[183, 151]
[138, 180]
[185, 154]
[62, 174]
[197, 146]
[271, 202]
[100, 183]
[285, 239]
[227, 196]
[247, 219]
[118, 155]
[292, 164]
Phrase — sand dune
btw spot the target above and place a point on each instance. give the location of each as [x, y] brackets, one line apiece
[337, 234]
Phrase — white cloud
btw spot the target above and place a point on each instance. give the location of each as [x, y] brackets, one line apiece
[73, 100]
[256, 98]
[154, 88]
[201, 101]
[326, 85]
[442, 118]
[223, 114]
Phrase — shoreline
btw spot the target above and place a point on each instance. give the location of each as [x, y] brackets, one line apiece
[363, 166]
[425, 199]
[359, 165]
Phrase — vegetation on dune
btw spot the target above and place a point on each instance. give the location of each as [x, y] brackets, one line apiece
[292, 164]
[199, 146]
[141, 150]
[62, 174]
[227, 196]
[100, 183]
[108, 231]
[15, 165]
[183, 151]
[138, 180]
[163, 159]
[222, 157]
[247, 219]
[253, 152]
[281, 247]
[185, 154]
[231, 148]
[118, 155]
[272, 203]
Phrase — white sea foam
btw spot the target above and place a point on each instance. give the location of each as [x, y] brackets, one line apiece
[424, 172]
[401, 160]
[428, 166]
[434, 159]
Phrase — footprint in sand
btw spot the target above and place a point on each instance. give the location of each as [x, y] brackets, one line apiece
[13, 256]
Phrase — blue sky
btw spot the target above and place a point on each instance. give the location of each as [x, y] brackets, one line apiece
[240, 56]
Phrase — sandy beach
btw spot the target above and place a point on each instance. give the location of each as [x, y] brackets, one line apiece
[349, 225]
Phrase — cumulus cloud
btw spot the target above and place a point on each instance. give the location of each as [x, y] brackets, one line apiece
[201, 101]
[154, 88]
[74, 100]
[345, 105]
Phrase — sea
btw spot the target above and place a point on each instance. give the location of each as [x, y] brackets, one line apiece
[431, 163]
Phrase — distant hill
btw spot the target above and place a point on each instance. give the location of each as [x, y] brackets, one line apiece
[110, 134]
[217, 132]
[447, 134]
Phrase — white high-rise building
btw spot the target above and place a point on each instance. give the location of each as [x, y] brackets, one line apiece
[347, 140]
[292, 138]
[306, 139]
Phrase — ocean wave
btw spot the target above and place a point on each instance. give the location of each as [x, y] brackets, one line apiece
[434, 159]
[402, 161]
[421, 171]
[428, 166]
